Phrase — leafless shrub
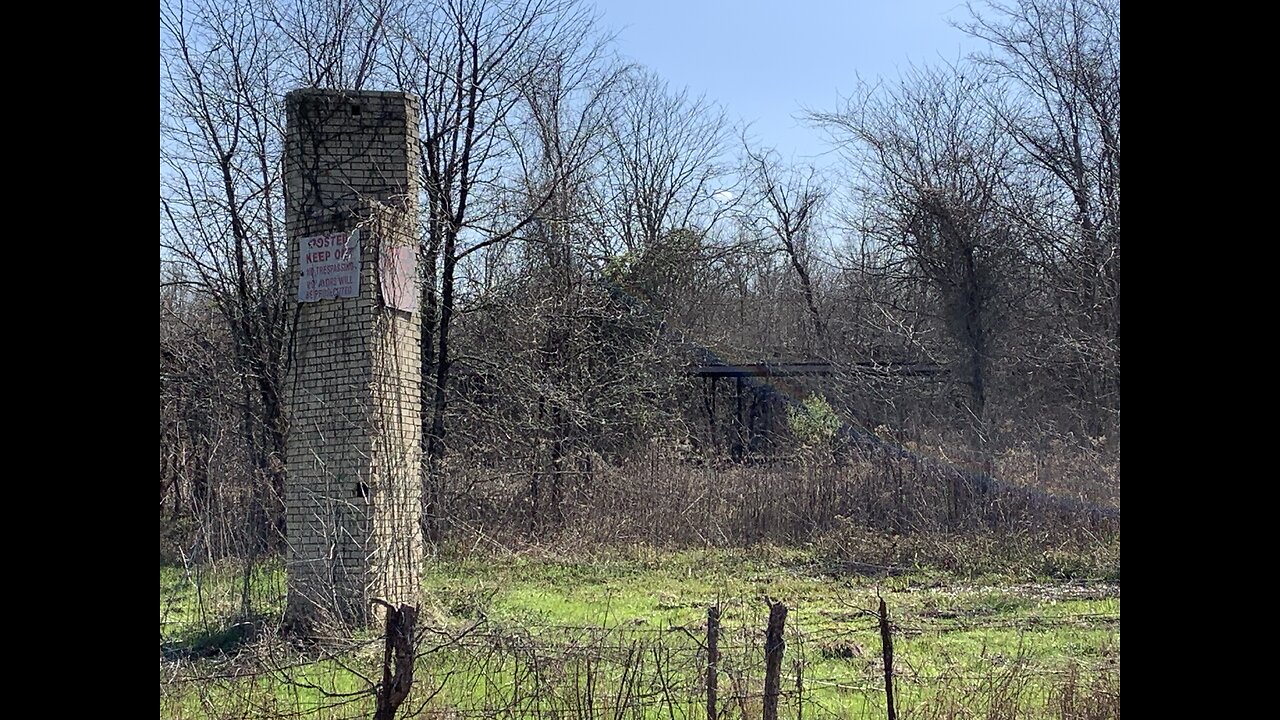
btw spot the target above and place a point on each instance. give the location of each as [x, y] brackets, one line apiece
[667, 501]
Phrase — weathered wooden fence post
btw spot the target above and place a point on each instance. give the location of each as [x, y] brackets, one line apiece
[886, 647]
[397, 660]
[773, 648]
[713, 658]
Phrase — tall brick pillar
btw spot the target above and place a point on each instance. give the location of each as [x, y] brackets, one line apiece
[353, 496]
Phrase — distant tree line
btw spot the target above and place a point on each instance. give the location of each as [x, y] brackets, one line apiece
[589, 232]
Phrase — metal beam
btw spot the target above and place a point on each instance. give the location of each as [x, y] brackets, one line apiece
[795, 369]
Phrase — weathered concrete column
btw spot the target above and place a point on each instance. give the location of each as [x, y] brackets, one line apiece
[353, 495]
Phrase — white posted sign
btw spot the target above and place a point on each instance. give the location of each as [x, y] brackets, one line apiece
[330, 266]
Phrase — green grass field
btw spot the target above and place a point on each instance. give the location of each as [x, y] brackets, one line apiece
[620, 634]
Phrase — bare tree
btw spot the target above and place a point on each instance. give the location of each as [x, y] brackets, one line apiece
[334, 43]
[1058, 65]
[931, 172]
[189, 400]
[787, 206]
[471, 61]
[556, 138]
[665, 165]
[221, 128]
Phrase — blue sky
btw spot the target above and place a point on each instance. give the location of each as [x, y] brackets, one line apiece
[765, 62]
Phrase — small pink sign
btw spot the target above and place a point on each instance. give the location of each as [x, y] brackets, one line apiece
[397, 273]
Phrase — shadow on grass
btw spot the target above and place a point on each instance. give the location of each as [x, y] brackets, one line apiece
[214, 641]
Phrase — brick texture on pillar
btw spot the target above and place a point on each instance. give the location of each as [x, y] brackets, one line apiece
[353, 495]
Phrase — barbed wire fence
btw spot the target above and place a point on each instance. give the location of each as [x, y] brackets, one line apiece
[723, 666]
